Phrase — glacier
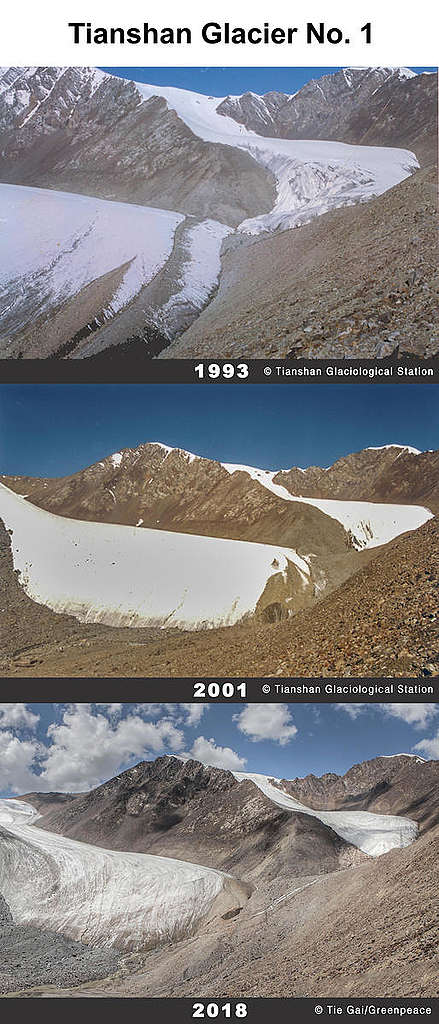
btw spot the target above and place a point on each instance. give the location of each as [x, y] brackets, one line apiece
[374, 834]
[54, 244]
[369, 523]
[311, 177]
[97, 896]
[129, 576]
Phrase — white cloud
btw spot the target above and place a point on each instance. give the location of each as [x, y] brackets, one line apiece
[266, 722]
[17, 758]
[418, 715]
[195, 713]
[17, 716]
[219, 757]
[353, 710]
[87, 747]
[429, 747]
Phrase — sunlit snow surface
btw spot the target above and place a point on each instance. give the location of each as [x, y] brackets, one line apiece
[54, 244]
[122, 575]
[126, 900]
[311, 177]
[370, 523]
[374, 834]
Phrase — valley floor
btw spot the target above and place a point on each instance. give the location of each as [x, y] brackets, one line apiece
[369, 930]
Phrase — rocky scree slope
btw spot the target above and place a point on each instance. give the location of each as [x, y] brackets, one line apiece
[370, 931]
[33, 956]
[338, 286]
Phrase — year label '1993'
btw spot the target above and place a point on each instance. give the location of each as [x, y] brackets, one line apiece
[227, 370]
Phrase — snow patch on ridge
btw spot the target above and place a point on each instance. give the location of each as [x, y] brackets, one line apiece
[374, 834]
[402, 447]
[122, 575]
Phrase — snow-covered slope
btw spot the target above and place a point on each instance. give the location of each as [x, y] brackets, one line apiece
[375, 834]
[120, 575]
[311, 177]
[126, 900]
[370, 523]
[54, 244]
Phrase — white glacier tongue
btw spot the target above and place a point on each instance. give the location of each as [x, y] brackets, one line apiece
[312, 177]
[369, 523]
[374, 834]
[122, 575]
[94, 895]
[198, 276]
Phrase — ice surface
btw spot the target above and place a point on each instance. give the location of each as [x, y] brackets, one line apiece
[100, 897]
[370, 523]
[122, 575]
[419, 760]
[374, 834]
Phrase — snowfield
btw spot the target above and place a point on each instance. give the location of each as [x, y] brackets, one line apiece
[100, 897]
[311, 177]
[369, 523]
[374, 834]
[54, 244]
[125, 576]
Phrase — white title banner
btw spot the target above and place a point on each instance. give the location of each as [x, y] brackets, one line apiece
[136, 34]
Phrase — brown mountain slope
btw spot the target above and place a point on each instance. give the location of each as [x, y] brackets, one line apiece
[339, 286]
[95, 136]
[194, 812]
[403, 784]
[393, 474]
[170, 488]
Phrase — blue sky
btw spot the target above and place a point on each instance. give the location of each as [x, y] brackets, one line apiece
[55, 430]
[75, 747]
[225, 81]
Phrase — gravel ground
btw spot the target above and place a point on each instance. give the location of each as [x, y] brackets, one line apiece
[32, 956]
